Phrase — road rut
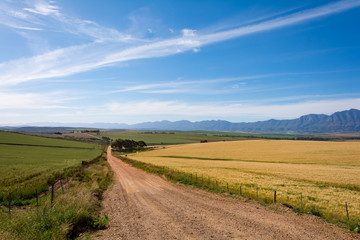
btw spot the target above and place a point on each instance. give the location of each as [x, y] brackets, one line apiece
[146, 206]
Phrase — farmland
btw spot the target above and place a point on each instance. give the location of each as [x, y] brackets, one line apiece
[28, 162]
[318, 177]
[162, 137]
[181, 137]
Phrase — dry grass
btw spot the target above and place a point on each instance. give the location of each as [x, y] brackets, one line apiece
[327, 174]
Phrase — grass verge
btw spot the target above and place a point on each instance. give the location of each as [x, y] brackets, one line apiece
[73, 212]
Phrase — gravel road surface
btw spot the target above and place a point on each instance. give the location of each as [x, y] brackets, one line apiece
[146, 206]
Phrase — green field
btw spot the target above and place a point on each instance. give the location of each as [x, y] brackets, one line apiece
[23, 139]
[28, 162]
[181, 137]
[170, 137]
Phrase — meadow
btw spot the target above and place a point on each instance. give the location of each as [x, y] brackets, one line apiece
[28, 163]
[309, 176]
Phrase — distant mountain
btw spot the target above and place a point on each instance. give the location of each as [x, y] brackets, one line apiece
[49, 130]
[345, 121]
[57, 126]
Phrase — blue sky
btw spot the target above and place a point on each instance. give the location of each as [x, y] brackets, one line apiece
[137, 61]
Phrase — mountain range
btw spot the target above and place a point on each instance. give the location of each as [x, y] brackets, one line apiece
[344, 121]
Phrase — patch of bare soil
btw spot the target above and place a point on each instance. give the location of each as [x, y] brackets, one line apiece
[146, 206]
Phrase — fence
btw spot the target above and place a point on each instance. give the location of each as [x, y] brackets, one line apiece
[296, 201]
[54, 183]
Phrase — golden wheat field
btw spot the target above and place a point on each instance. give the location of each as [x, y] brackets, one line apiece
[318, 177]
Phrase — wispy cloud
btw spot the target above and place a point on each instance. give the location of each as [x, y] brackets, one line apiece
[47, 16]
[299, 98]
[173, 86]
[29, 101]
[235, 110]
[126, 112]
[283, 21]
[43, 8]
[211, 86]
[100, 53]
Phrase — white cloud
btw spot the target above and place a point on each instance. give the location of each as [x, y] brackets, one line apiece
[76, 59]
[232, 110]
[188, 32]
[43, 8]
[18, 14]
[183, 86]
[45, 15]
[31, 101]
[279, 22]
[128, 112]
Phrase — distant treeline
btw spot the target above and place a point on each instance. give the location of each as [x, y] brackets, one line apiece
[157, 133]
[126, 145]
[91, 131]
[307, 138]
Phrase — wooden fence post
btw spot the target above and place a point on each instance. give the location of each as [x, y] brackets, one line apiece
[227, 186]
[37, 198]
[240, 189]
[10, 205]
[62, 188]
[257, 192]
[347, 214]
[275, 196]
[52, 194]
[301, 202]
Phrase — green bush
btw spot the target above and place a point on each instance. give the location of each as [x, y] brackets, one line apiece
[81, 177]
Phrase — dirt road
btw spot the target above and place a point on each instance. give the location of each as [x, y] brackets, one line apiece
[145, 206]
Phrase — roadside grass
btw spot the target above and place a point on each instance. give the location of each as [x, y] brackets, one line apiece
[29, 164]
[311, 177]
[171, 174]
[73, 212]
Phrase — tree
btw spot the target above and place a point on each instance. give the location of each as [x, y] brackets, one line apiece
[126, 145]
[142, 144]
[106, 139]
